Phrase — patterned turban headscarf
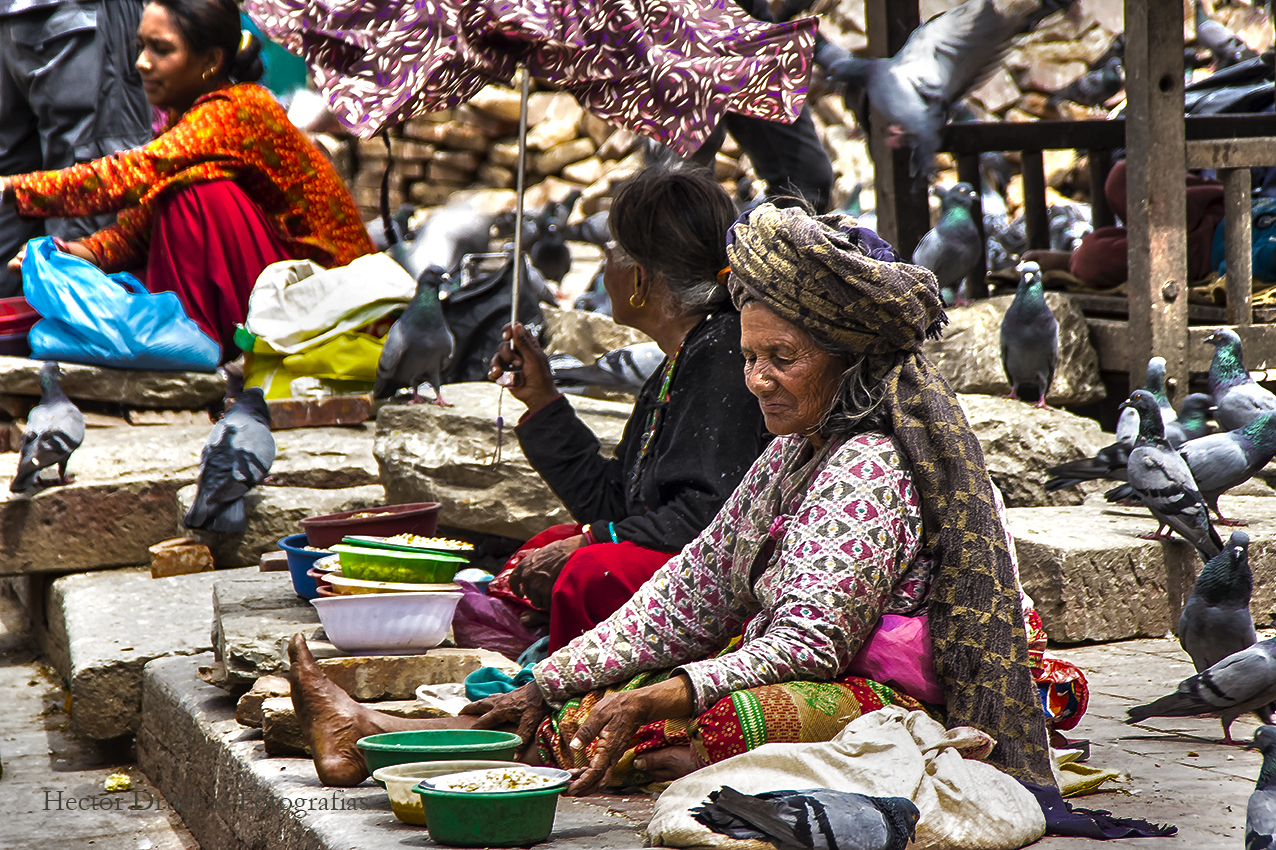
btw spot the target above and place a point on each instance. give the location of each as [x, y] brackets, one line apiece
[843, 284]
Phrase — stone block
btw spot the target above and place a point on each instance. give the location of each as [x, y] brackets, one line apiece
[464, 137]
[273, 562]
[594, 127]
[504, 154]
[550, 134]
[248, 706]
[552, 106]
[553, 160]
[439, 173]
[178, 557]
[289, 413]
[584, 335]
[274, 513]
[370, 678]
[281, 730]
[587, 171]
[497, 101]
[496, 175]
[104, 627]
[466, 161]
[446, 455]
[254, 616]
[969, 354]
[127, 387]
[1021, 442]
[997, 92]
[618, 145]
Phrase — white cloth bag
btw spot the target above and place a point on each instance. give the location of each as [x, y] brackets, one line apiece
[964, 803]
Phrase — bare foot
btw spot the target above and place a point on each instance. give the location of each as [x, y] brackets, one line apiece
[332, 722]
[667, 763]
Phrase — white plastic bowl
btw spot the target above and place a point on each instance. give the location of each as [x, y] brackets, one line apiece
[400, 779]
[387, 623]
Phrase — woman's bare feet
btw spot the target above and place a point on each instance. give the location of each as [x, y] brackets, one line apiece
[667, 763]
[332, 722]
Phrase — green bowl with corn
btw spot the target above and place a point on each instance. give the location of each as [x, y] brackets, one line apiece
[394, 565]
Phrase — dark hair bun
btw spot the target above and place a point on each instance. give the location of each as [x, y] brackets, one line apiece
[247, 66]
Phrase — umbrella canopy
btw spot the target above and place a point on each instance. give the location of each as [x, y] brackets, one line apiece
[667, 69]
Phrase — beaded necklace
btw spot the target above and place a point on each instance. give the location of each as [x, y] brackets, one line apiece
[653, 420]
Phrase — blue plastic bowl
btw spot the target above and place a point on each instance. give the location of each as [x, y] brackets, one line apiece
[300, 560]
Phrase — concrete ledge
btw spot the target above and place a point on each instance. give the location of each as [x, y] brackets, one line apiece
[232, 796]
[1093, 579]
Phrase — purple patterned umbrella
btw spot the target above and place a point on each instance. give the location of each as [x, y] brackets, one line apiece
[667, 69]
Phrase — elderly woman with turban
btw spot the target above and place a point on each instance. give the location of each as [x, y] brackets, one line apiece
[870, 516]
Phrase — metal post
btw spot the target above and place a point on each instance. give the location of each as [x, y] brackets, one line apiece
[968, 172]
[518, 210]
[1036, 218]
[1238, 249]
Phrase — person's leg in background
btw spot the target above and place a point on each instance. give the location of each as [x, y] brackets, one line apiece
[789, 158]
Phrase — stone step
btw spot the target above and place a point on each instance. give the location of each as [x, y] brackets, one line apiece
[1093, 579]
[127, 387]
[103, 628]
[233, 796]
[125, 496]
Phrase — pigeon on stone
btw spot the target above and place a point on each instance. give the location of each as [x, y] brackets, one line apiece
[1160, 477]
[625, 369]
[55, 429]
[418, 346]
[951, 248]
[1095, 87]
[1243, 681]
[917, 88]
[1029, 336]
[1260, 814]
[236, 458]
[595, 299]
[1237, 398]
[816, 819]
[1223, 44]
[595, 229]
[1216, 621]
[1228, 459]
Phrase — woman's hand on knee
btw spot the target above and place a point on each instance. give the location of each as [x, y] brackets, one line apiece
[523, 710]
[534, 575]
[520, 365]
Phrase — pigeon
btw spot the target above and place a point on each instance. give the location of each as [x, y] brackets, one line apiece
[1228, 459]
[1223, 44]
[595, 229]
[419, 345]
[815, 819]
[595, 299]
[1237, 398]
[1216, 621]
[1069, 224]
[1095, 87]
[550, 255]
[1029, 336]
[916, 89]
[1194, 415]
[951, 248]
[1260, 814]
[1160, 477]
[1243, 681]
[625, 369]
[447, 235]
[236, 458]
[55, 429]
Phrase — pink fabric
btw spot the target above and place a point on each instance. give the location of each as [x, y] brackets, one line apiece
[899, 653]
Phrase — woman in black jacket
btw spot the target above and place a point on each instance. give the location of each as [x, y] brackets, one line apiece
[695, 429]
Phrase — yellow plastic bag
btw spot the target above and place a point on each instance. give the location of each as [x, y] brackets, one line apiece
[347, 362]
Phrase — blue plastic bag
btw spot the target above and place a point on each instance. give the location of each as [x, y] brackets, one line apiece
[107, 320]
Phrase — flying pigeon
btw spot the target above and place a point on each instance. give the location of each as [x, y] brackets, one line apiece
[1216, 621]
[817, 819]
[1223, 44]
[236, 458]
[1093, 88]
[917, 88]
[1237, 398]
[55, 429]
[1260, 814]
[418, 346]
[1160, 477]
[447, 235]
[1243, 681]
[625, 369]
[951, 248]
[1029, 336]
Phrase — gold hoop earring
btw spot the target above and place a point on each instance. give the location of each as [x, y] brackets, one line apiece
[637, 304]
[207, 74]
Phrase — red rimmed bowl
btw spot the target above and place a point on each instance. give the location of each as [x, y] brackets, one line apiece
[419, 518]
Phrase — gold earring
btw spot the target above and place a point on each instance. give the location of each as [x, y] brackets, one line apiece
[637, 304]
[207, 74]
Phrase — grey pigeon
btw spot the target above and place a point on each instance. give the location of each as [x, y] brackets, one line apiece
[625, 369]
[236, 458]
[418, 346]
[951, 248]
[1160, 477]
[1223, 44]
[1243, 681]
[1069, 224]
[55, 429]
[595, 299]
[596, 229]
[1228, 459]
[1260, 814]
[815, 819]
[917, 88]
[447, 235]
[1237, 398]
[1094, 87]
[1029, 336]
[1216, 621]
[1193, 417]
[1154, 383]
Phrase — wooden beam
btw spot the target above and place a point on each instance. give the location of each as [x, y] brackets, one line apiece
[1111, 339]
[1257, 152]
[1156, 189]
[1100, 163]
[1036, 219]
[975, 136]
[968, 172]
[1237, 245]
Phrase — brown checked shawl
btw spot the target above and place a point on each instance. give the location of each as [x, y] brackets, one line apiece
[843, 284]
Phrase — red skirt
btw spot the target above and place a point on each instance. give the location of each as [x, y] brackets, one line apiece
[594, 583]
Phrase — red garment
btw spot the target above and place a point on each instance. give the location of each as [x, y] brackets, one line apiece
[594, 583]
[209, 242]
[1101, 260]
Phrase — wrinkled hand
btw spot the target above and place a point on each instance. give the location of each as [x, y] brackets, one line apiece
[534, 575]
[613, 722]
[75, 249]
[520, 365]
[523, 709]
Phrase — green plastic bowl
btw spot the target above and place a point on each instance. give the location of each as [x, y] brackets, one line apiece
[389, 565]
[504, 819]
[437, 745]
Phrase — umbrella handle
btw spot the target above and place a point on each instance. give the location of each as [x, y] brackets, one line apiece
[518, 210]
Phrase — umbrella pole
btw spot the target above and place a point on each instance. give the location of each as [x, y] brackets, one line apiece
[518, 210]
